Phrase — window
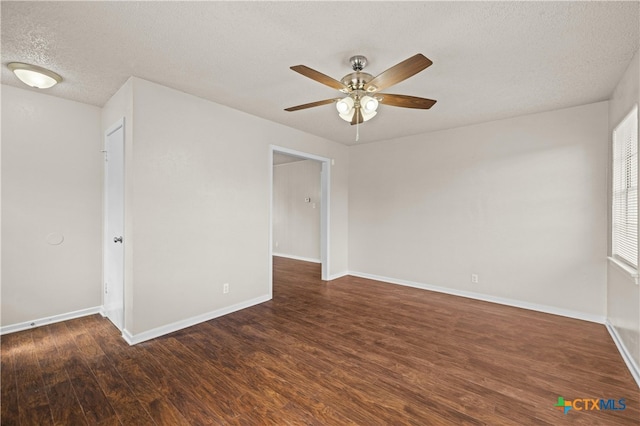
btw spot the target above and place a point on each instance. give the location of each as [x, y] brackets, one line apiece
[625, 190]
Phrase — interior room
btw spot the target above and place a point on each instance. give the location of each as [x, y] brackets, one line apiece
[319, 212]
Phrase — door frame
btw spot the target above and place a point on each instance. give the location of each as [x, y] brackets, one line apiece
[325, 185]
[120, 123]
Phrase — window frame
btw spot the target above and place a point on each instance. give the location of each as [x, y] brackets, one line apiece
[624, 191]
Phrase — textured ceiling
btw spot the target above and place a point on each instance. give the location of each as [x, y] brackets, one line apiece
[492, 60]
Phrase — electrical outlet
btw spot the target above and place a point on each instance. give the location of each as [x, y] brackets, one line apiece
[474, 278]
[225, 288]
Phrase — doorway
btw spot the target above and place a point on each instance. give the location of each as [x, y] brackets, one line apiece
[113, 242]
[323, 205]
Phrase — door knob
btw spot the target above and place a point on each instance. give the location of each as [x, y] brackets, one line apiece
[117, 239]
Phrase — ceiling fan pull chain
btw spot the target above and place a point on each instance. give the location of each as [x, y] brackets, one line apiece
[357, 131]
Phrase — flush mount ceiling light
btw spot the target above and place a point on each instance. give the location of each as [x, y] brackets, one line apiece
[34, 76]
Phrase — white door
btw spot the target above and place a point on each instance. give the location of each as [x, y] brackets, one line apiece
[114, 225]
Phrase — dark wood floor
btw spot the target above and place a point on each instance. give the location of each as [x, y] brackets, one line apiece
[351, 351]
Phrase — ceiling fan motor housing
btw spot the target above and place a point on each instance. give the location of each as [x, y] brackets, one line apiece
[356, 80]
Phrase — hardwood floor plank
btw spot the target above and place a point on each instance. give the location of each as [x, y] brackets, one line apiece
[120, 397]
[9, 391]
[284, 382]
[160, 409]
[33, 404]
[350, 386]
[177, 389]
[124, 403]
[65, 407]
[95, 404]
[352, 360]
[49, 359]
[347, 352]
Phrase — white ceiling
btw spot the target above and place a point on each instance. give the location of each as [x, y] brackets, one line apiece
[491, 60]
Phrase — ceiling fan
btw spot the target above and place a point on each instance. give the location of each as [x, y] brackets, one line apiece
[363, 90]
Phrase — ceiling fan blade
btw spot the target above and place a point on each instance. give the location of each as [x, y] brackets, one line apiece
[357, 117]
[319, 77]
[405, 101]
[312, 104]
[398, 73]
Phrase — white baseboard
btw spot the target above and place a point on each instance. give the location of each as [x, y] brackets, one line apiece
[304, 259]
[600, 319]
[134, 339]
[338, 275]
[13, 328]
[624, 352]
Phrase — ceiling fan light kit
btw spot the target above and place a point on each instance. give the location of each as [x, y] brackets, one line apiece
[363, 90]
[348, 106]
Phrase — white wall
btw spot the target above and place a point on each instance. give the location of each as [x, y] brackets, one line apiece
[51, 184]
[623, 295]
[200, 205]
[521, 202]
[296, 222]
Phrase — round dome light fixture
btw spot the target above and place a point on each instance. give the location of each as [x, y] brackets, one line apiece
[34, 76]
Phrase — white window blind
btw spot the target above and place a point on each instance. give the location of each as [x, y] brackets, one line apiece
[625, 190]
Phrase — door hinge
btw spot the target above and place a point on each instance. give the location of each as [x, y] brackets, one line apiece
[106, 288]
[106, 154]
